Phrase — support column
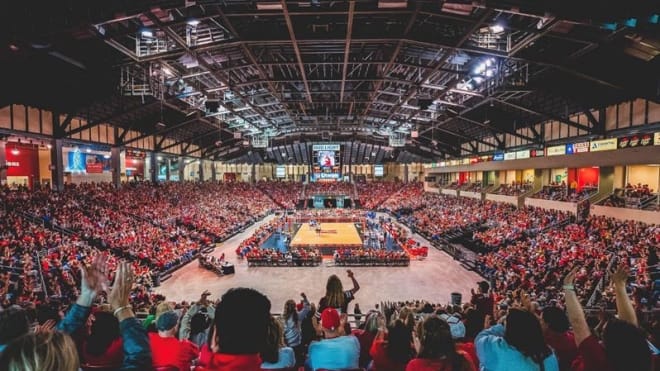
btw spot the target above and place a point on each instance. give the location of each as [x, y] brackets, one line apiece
[253, 175]
[214, 173]
[153, 172]
[115, 160]
[168, 170]
[405, 173]
[57, 165]
[3, 163]
[202, 163]
[182, 168]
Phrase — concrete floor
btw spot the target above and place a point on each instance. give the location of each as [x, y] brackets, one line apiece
[432, 279]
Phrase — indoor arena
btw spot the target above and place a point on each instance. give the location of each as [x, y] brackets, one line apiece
[317, 185]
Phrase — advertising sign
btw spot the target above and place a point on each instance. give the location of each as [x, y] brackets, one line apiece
[522, 154]
[603, 145]
[556, 150]
[510, 156]
[498, 156]
[636, 140]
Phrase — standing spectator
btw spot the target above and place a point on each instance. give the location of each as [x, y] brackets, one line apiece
[293, 319]
[518, 346]
[202, 306]
[103, 346]
[366, 336]
[436, 349]
[335, 297]
[556, 332]
[307, 329]
[458, 331]
[275, 354]
[483, 300]
[13, 324]
[166, 349]
[239, 332]
[392, 352]
[624, 345]
[336, 351]
[357, 312]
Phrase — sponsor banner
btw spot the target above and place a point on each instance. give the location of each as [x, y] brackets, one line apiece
[474, 160]
[328, 176]
[603, 145]
[13, 164]
[510, 156]
[636, 140]
[581, 147]
[537, 153]
[280, 171]
[656, 139]
[556, 150]
[465, 161]
[498, 156]
[138, 154]
[94, 167]
[523, 154]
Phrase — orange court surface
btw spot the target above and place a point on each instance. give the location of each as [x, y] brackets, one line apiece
[332, 234]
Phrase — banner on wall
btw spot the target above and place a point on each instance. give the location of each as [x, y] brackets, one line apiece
[556, 150]
[498, 156]
[637, 140]
[603, 145]
[522, 154]
[656, 139]
[510, 156]
[536, 153]
[580, 147]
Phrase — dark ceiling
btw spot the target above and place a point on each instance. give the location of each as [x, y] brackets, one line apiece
[295, 71]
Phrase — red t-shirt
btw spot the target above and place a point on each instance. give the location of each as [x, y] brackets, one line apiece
[381, 361]
[365, 338]
[564, 346]
[113, 356]
[172, 352]
[209, 361]
[591, 357]
[469, 350]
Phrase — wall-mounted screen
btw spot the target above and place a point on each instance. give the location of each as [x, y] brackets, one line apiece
[326, 164]
[280, 171]
[379, 170]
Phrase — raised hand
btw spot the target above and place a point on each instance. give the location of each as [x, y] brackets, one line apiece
[619, 275]
[350, 273]
[121, 290]
[93, 279]
[570, 277]
[48, 326]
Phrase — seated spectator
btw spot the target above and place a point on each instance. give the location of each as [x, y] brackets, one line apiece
[391, 350]
[239, 332]
[336, 351]
[203, 307]
[276, 355]
[518, 346]
[556, 332]
[436, 349]
[103, 346]
[51, 350]
[166, 349]
[624, 346]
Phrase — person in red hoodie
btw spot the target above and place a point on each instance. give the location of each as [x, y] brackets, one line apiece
[166, 349]
[239, 332]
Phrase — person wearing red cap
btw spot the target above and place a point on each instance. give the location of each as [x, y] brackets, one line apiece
[336, 351]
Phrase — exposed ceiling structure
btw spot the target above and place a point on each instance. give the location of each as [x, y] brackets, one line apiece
[364, 72]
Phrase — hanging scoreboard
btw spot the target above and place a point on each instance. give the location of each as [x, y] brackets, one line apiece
[326, 164]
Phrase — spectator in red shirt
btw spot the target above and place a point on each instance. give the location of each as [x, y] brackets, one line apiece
[166, 349]
[103, 346]
[557, 335]
[436, 350]
[367, 335]
[394, 352]
[624, 346]
[239, 333]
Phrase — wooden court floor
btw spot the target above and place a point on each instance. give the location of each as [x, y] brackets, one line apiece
[332, 234]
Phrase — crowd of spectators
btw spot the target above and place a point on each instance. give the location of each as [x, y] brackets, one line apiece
[556, 192]
[373, 194]
[371, 257]
[285, 194]
[516, 188]
[633, 196]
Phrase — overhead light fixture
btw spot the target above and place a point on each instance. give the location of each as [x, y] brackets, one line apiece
[159, 158]
[496, 28]
[269, 6]
[193, 22]
[392, 4]
[89, 150]
[49, 146]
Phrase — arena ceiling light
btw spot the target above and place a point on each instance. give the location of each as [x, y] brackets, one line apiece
[496, 28]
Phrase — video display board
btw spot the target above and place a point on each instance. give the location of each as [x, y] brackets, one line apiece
[379, 170]
[326, 165]
[280, 171]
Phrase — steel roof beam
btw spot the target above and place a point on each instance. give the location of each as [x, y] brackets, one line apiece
[347, 49]
[296, 49]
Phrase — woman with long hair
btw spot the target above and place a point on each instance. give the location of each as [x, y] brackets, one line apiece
[292, 319]
[394, 352]
[44, 350]
[436, 350]
[103, 346]
[518, 345]
[276, 355]
[336, 297]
